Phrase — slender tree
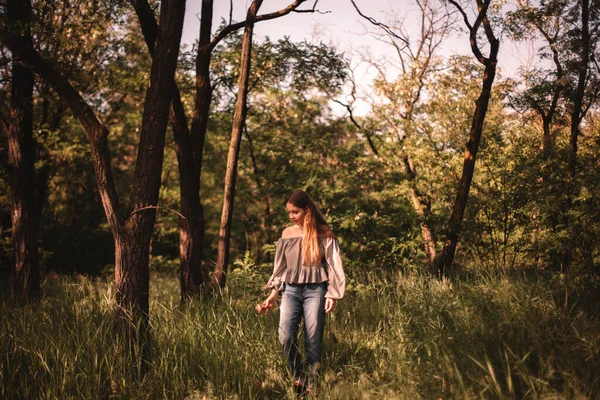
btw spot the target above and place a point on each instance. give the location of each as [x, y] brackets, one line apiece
[189, 157]
[490, 62]
[239, 119]
[25, 273]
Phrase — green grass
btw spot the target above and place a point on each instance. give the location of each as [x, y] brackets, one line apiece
[400, 337]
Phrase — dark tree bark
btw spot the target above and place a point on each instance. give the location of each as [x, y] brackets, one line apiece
[25, 272]
[191, 232]
[133, 243]
[577, 114]
[447, 256]
[189, 157]
[132, 232]
[239, 118]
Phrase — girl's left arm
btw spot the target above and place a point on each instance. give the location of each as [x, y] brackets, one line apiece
[335, 271]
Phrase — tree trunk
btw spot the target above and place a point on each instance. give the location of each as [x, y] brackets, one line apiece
[25, 273]
[426, 234]
[191, 232]
[239, 118]
[576, 118]
[131, 272]
[548, 138]
[189, 155]
[447, 256]
[548, 143]
[131, 267]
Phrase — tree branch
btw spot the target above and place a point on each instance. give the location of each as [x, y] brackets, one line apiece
[462, 12]
[96, 132]
[313, 9]
[482, 7]
[348, 107]
[156, 208]
[489, 33]
[360, 128]
[265, 17]
[386, 28]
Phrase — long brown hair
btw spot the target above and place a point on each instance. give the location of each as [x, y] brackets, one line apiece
[313, 226]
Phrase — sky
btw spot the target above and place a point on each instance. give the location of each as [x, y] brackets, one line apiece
[339, 25]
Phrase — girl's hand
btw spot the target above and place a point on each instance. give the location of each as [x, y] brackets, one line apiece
[329, 305]
[269, 303]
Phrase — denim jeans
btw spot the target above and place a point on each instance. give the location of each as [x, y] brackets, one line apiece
[299, 300]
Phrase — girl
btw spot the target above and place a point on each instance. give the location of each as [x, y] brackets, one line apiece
[308, 272]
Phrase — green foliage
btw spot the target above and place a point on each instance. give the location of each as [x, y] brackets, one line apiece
[396, 336]
[300, 68]
[98, 48]
[515, 216]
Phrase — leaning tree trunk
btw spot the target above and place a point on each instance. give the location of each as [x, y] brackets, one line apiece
[132, 233]
[25, 272]
[239, 118]
[447, 256]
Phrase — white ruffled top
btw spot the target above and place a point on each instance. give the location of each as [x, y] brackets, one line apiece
[288, 266]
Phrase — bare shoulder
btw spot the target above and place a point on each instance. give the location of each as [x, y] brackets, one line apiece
[291, 232]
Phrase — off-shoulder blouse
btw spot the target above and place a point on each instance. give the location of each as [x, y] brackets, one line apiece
[288, 266]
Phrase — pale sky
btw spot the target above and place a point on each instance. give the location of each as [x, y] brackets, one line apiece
[342, 27]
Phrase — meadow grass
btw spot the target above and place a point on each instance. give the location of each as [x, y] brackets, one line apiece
[398, 337]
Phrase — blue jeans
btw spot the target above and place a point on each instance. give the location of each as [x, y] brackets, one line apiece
[299, 300]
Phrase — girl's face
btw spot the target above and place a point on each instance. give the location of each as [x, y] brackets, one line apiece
[296, 214]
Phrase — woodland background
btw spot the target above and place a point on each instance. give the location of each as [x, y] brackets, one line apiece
[466, 202]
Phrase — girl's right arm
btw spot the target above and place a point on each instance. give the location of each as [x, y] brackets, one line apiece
[274, 283]
[269, 303]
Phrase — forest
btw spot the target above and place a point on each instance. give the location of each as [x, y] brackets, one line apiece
[143, 181]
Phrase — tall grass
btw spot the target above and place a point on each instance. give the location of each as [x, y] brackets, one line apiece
[402, 337]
